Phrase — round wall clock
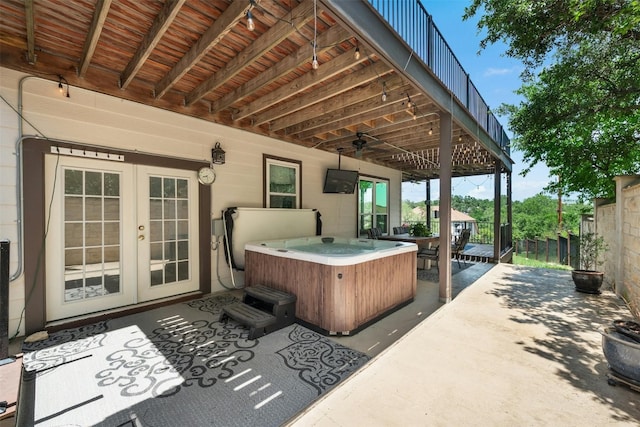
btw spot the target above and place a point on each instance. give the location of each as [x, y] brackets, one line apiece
[206, 175]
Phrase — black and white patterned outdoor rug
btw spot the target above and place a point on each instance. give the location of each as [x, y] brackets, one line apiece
[179, 366]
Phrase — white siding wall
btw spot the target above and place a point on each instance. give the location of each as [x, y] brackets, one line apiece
[92, 118]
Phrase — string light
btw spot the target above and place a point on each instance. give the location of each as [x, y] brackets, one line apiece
[356, 54]
[384, 92]
[314, 62]
[409, 105]
[251, 25]
[62, 80]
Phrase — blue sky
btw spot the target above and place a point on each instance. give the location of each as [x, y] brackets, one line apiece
[496, 77]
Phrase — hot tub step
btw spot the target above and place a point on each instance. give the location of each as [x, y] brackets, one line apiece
[270, 295]
[259, 322]
[279, 303]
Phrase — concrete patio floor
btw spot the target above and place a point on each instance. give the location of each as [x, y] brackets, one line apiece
[519, 347]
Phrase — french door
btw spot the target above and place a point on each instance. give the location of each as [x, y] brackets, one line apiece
[118, 234]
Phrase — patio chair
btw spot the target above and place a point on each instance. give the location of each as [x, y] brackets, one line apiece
[458, 246]
[374, 233]
[431, 254]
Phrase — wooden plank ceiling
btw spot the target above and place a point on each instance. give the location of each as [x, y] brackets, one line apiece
[199, 58]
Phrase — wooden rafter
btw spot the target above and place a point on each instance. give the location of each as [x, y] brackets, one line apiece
[329, 38]
[31, 38]
[151, 39]
[331, 89]
[214, 34]
[326, 71]
[93, 35]
[274, 36]
[326, 114]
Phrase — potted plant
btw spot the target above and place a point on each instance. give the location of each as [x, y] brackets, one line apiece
[621, 346]
[588, 279]
[419, 230]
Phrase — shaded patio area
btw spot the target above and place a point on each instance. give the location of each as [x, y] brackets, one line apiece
[519, 347]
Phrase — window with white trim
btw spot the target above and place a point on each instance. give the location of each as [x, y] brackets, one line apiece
[282, 179]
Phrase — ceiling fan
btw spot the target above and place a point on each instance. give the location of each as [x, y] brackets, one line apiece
[359, 144]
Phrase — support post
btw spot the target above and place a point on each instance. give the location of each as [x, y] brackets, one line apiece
[496, 211]
[446, 135]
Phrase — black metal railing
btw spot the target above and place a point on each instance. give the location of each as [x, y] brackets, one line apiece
[481, 231]
[415, 26]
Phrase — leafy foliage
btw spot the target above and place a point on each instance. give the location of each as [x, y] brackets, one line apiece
[581, 114]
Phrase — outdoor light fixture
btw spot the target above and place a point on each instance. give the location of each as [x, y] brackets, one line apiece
[62, 80]
[409, 105]
[250, 24]
[217, 155]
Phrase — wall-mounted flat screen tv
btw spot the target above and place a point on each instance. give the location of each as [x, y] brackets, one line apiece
[340, 181]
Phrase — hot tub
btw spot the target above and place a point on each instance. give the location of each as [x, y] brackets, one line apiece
[342, 284]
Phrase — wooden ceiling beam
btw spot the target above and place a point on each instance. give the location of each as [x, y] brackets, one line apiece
[381, 130]
[351, 119]
[332, 89]
[210, 38]
[30, 26]
[273, 37]
[348, 104]
[326, 41]
[160, 25]
[326, 71]
[93, 35]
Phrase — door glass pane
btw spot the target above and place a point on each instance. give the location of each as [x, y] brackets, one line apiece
[366, 197]
[373, 205]
[169, 221]
[91, 243]
[93, 183]
[381, 206]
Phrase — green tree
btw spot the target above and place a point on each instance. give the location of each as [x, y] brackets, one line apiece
[581, 113]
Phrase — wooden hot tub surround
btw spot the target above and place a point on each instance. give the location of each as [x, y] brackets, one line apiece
[337, 299]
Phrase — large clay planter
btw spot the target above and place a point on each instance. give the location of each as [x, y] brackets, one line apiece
[622, 353]
[587, 281]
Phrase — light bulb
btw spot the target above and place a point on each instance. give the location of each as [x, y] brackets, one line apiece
[250, 24]
[356, 54]
[314, 63]
[409, 107]
[384, 96]
[431, 131]
[60, 88]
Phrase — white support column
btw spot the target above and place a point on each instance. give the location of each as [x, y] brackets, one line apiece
[446, 135]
